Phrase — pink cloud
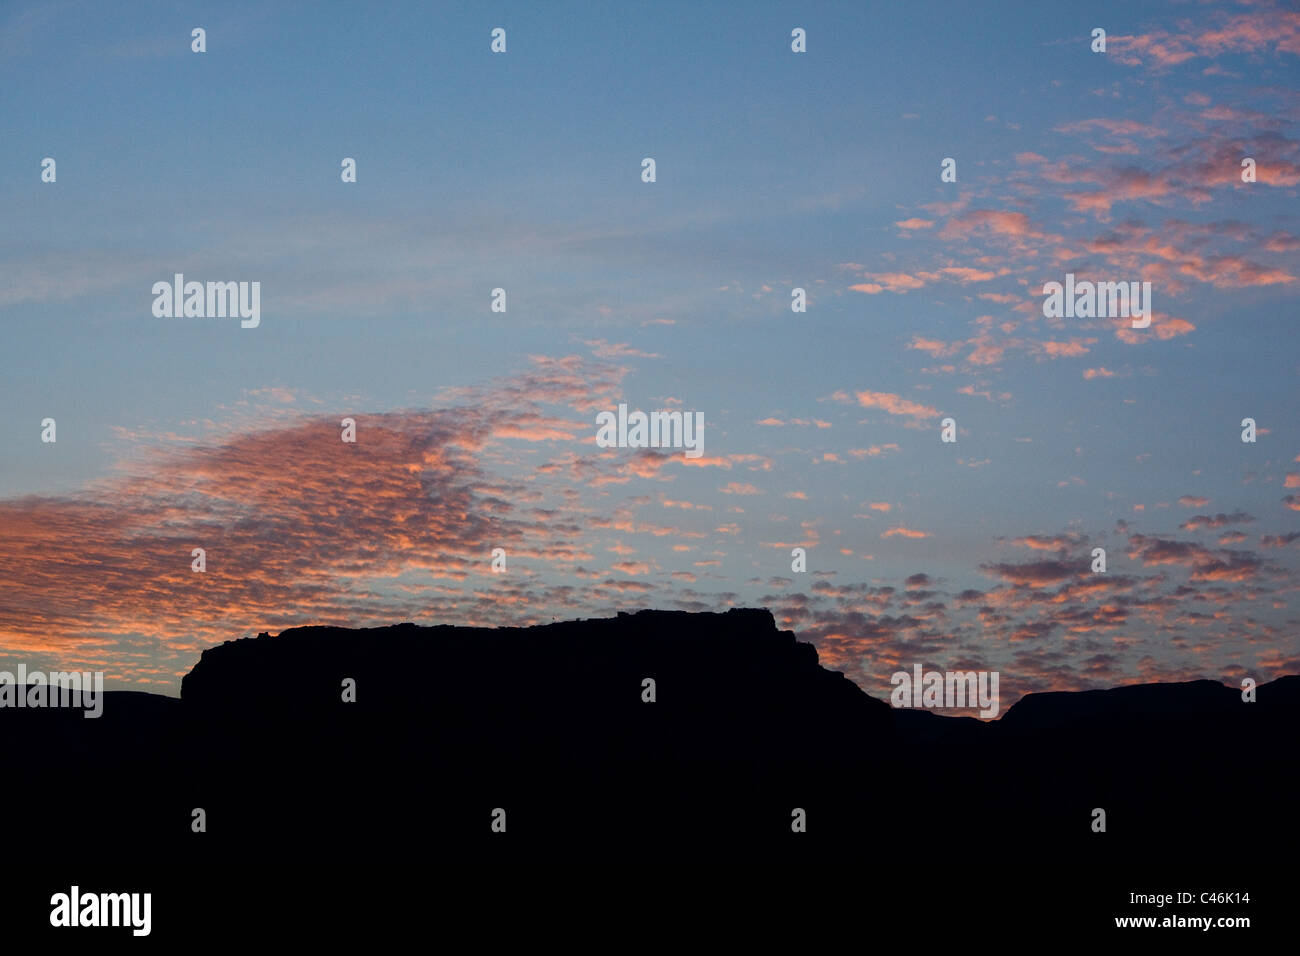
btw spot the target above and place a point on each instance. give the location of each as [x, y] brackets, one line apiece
[895, 405]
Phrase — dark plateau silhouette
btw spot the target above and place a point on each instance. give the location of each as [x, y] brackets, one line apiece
[548, 723]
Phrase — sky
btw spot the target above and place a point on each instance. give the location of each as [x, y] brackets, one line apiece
[774, 170]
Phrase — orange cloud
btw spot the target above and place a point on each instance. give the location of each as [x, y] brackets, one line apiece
[873, 451]
[902, 532]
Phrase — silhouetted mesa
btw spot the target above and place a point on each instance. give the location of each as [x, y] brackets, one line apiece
[550, 724]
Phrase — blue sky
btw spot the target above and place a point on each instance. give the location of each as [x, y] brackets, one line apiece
[774, 170]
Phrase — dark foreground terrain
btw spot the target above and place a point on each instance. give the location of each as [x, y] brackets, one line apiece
[386, 799]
